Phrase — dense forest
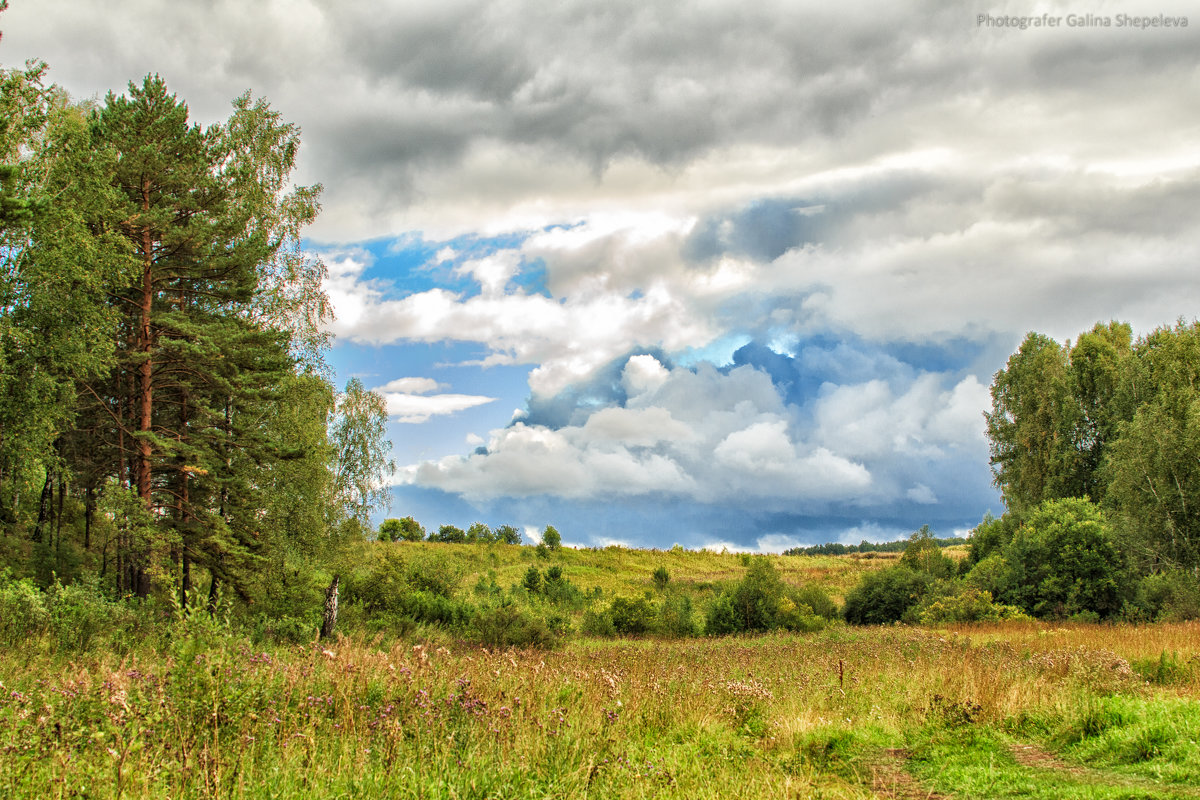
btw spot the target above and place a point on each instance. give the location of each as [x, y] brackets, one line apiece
[167, 421]
[169, 431]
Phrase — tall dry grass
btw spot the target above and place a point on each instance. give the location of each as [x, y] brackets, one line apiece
[212, 717]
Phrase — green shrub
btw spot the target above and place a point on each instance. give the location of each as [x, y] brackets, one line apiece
[507, 534]
[966, 605]
[23, 612]
[480, 533]
[508, 625]
[401, 530]
[816, 599]
[449, 533]
[428, 573]
[721, 619]
[990, 537]
[1063, 562]
[756, 597]
[78, 613]
[598, 623]
[923, 554]
[799, 617]
[486, 586]
[532, 580]
[632, 617]
[661, 578]
[884, 596]
[558, 589]
[676, 617]
[992, 574]
[422, 606]
[286, 629]
[1172, 596]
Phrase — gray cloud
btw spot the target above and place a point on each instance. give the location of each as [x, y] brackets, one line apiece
[396, 98]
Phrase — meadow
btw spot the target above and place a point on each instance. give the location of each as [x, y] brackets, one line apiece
[194, 709]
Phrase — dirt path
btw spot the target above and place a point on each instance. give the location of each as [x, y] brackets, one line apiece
[1034, 757]
[890, 777]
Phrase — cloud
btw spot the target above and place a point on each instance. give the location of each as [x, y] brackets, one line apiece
[731, 436]
[411, 386]
[471, 114]
[409, 400]
[922, 494]
[891, 252]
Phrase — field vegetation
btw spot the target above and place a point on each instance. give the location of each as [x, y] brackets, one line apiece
[191, 707]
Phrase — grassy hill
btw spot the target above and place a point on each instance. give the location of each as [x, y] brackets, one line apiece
[625, 572]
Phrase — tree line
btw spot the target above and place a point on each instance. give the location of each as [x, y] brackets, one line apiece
[409, 530]
[1094, 448]
[168, 425]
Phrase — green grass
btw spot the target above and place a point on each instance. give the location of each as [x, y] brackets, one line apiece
[627, 572]
[198, 711]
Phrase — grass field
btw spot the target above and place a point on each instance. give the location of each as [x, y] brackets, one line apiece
[1014, 710]
[623, 571]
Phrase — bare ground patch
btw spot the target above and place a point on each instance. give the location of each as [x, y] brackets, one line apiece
[1036, 757]
[890, 777]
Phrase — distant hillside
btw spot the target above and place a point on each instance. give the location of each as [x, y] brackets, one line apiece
[625, 572]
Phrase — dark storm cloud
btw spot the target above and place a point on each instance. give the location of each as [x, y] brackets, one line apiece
[662, 83]
[393, 95]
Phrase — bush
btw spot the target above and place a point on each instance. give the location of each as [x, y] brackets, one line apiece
[558, 589]
[23, 612]
[1063, 562]
[285, 630]
[79, 612]
[1172, 596]
[923, 554]
[507, 625]
[481, 533]
[422, 606]
[507, 534]
[598, 623]
[992, 574]
[721, 619]
[632, 617]
[756, 598]
[661, 578]
[676, 618]
[533, 580]
[967, 605]
[884, 596]
[449, 534]
[991, 536]
[486, 586]
[816, 599]
[799, 617]
[397, 530]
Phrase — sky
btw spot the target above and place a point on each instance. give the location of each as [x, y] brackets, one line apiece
[710, 273]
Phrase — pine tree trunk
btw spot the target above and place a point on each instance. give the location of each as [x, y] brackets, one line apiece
[331, 608]
[89, 510]
[213, 588]
[145, 396]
